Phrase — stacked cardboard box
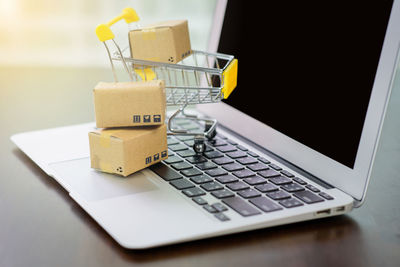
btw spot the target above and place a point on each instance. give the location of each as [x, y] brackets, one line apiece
[134, 135]
[132, 114]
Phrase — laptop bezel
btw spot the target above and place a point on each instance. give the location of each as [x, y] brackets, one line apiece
[352, 181]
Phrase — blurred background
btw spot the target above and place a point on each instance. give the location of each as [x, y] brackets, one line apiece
[60, 33]
[51, 59]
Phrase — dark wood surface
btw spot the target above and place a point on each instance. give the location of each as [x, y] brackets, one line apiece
[40, 225]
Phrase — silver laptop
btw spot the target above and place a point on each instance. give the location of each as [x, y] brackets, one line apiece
[296, 140]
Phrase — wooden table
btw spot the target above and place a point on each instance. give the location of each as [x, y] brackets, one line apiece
[40, 225]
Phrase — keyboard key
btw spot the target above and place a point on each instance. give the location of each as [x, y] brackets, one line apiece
[170, 153]
[232, 167]
[299, 181]
[222, 193]
[292, 187]
[165, 172]
[265, 204]
[227, 148]
[189, 143]
[213, 154]
[196, 159]
[194, 192]
[226, 179]
[266, 188]
[313, 188]
[241, 206]
[199, 200]
[191, 172]
[211, 186]
[185, 137]
[216, 172]
[219, 207]
[251, 153]
[210, 209]
[243, 173]
[236, 154]
[181, 166]
[200, 179]
[248, 193]
[254, 180]
[326, 196]
[222, 161]
[247, 160]
[178, 147]
[231, 142]
[257, 167]
[308, 197]
[275, 167]
[181, 184]
[186, 153]
[288, 174]
[278, 195]
[173, 159]
[172, 141]
[242, 148]
[264, 160]
[206, 165]
[280, 180]
[290, 203]
[269, 173]
[237, 186]
[222, 217]
[217, 142]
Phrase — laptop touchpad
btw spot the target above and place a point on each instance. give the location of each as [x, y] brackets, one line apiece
[94, 185]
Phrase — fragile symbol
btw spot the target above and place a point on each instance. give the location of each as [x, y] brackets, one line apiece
[164, 154]
[148, 160]
[136, 118]
[156, 157]
[157, 118]
[146, 118]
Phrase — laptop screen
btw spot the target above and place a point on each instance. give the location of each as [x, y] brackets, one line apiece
[307, 69]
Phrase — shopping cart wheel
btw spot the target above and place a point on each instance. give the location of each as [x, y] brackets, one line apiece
[211, 135]
[199, 146]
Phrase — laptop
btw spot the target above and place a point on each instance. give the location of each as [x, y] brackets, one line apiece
[296, 140]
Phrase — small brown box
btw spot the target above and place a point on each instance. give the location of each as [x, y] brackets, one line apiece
[167, 42]
[125, 104]
[124, 151]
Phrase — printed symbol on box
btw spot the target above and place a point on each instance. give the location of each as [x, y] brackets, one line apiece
[157, 118]
[136, 118]
[156, 157]
[146, 118]
[164, 154]
[148, 160]
[119, 169]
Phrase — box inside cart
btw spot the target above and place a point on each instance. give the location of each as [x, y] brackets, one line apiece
[167, 42]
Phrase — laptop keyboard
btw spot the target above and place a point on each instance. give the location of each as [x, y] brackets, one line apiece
[234, 176]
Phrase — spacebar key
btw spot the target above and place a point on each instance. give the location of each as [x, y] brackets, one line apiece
[241, 206]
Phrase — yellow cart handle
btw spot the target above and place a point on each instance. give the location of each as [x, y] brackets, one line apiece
[104, 32]
[229, 77]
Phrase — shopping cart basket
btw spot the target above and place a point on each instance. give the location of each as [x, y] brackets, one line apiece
[200, 78]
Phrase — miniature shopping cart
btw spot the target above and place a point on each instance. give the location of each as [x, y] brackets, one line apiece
[200, 78]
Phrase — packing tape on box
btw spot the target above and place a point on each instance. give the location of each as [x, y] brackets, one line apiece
[105, 137]
[149, 34]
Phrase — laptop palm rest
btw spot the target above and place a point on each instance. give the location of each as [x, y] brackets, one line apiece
[94, 185]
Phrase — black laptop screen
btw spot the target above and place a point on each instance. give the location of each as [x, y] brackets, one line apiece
[307, 69]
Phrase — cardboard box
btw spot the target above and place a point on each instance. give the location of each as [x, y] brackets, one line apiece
[129, 103]
[124, 151]
[167, 42]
